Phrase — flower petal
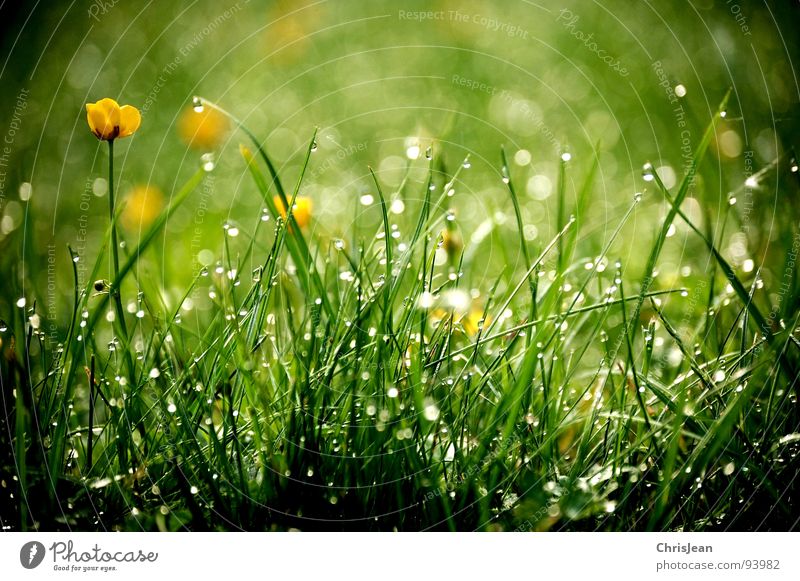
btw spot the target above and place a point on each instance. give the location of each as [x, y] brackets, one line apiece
[103, 118]
[130, 119]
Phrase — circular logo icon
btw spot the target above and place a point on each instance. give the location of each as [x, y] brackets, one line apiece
[31, 554]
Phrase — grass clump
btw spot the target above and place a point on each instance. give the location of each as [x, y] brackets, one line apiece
[369, 384]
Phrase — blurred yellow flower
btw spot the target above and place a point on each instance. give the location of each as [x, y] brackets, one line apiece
[472, 321]
[453, 243]
[468, 317]
[203, 130]
[108, 120]
[143, 204]
[301, 211]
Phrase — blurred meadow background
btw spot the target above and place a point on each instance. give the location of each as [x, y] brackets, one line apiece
[378, 78]
[416, 91]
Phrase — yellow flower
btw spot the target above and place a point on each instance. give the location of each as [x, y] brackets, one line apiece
[301, 211]
[203, 130]
[142, 205]
[472, 321]
[108, 120]
[453, 243]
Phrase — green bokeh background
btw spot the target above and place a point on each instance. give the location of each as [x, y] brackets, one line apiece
[376, 77]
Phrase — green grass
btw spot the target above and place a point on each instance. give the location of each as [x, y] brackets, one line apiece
[342, 384]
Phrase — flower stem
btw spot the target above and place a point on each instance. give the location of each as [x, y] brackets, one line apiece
[123, 329]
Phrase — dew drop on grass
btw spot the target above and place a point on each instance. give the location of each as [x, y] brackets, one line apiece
[429, 152]
[314, 145]
[637, 197]
[3, 326]
[154, 373]
[172, 408]
[392, 392]
[466, 164]
[366, 200]
[431, 412]
[197, 104]
[566, 156]
[207, 161]
[21, 302]
[397, 207]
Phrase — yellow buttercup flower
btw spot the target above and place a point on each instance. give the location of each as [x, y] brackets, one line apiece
[453, 243]
[203, 130]
[301, 211]
[108, 120]
[142, 206]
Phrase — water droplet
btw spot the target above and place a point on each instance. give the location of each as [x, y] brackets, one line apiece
[338, 244]
[680, 90]
[197, 104]
[3, 326]
[366, 200]
[637, 197]
[431, 412]
[466, 164]
[314, 145]
[647, 172]
[154, 373]
[429, 153]
[207, 160]
[21, 302]
[566, 156]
